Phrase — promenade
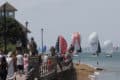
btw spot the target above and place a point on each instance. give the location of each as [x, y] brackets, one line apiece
[44, 71]
[49, 74]
[78, 72]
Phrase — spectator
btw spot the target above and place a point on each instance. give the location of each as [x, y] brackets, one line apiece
[19, 63]
[3, 69]
[26, 63]
[10, 66]
[33, 47]
[1, 54]
[52, 50]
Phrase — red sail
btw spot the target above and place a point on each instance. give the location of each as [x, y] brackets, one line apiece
[62, 45]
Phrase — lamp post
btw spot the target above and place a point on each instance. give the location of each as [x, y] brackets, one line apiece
[4, 25]
[26, 24]
[42, 39]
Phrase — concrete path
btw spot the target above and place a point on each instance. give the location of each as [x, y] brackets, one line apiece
[22, 77]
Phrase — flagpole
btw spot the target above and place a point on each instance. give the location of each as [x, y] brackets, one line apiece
[42, 39]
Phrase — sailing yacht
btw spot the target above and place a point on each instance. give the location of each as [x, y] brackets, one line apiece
[61, 45]
[108, 45]
[76, 42]
[95, 43]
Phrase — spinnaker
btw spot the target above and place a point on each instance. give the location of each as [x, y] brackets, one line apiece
[76, 41]
[94, 43]
[108, 46]
[61, 45]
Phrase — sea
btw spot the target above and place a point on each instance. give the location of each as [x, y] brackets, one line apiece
[111, 65]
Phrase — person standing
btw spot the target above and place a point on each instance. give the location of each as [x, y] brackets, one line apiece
[26, 63]
[3, 69]
[10, 66]
[1, 54]
[19, 63]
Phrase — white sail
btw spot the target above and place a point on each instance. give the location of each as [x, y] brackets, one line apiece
[93, 41]
[108, 46]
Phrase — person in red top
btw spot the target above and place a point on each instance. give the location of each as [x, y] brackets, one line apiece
[49, 64]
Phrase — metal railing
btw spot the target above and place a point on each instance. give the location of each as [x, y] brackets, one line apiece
[40, 71]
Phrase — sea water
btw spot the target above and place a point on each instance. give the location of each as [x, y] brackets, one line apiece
[111, 65]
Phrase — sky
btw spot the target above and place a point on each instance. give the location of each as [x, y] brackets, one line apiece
[63, 17]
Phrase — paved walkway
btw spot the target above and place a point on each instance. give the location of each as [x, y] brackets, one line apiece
[18, 77]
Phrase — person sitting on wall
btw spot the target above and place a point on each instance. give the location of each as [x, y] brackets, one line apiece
[33, 47]
[52, 50]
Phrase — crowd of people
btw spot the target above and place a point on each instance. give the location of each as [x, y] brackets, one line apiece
[11, 64]
[17, 62]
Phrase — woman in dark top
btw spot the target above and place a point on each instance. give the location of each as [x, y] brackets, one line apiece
[3, 69]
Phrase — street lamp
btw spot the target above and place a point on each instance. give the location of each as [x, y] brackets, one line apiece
[4, 25]
[42, 39]
[26, 24]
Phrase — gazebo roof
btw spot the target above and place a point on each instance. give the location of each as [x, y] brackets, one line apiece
[9, 7]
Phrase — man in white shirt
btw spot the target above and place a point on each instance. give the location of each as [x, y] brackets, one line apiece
[20, 63]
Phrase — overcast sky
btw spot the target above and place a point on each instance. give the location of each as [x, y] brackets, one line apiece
[63, 17]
